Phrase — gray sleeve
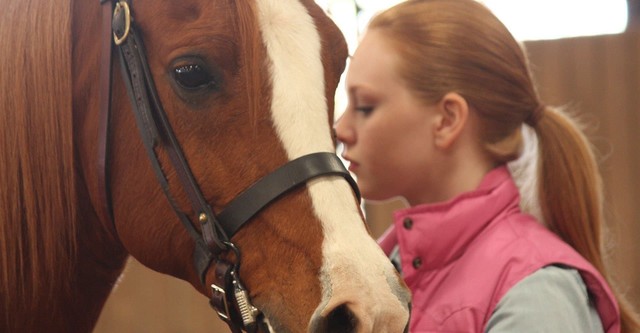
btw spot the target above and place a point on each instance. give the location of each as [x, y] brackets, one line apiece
[551, 300]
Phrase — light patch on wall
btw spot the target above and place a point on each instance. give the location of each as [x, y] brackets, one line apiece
[526, 19]
[555, 19]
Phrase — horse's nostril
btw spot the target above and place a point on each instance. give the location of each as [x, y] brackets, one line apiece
[340, 320]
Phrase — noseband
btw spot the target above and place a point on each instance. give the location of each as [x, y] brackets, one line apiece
[230, 299]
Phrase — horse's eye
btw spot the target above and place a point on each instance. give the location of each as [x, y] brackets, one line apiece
[193, 77]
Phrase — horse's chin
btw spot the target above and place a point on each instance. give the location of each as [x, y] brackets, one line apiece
[272, 328]
[275, 326]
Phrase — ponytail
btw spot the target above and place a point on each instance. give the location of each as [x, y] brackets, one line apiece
[571, 193]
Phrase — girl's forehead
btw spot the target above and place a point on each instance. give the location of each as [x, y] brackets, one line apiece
[373, 63]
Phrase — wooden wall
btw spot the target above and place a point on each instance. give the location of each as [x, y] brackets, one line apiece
[598, 75]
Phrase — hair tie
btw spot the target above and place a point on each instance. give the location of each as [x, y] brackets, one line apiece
[535, 115]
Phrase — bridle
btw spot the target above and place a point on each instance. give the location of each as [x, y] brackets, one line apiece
[213, 238]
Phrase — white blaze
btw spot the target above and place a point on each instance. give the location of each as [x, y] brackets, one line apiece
[299, 112]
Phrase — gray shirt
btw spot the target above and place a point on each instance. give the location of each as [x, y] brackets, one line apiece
[551, 300]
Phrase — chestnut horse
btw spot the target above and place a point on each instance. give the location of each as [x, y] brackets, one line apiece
[247, 86]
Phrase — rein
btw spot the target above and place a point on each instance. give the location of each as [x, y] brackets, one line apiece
[213, 237]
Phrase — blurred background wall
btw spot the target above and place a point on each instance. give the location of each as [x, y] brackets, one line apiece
[599, 76]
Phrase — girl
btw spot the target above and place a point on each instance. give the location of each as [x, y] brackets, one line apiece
[439, 91]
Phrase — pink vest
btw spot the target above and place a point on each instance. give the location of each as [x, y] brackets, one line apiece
[459, 258]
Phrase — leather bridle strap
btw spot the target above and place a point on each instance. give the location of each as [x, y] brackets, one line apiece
[157, 135]
[271, 187]
[104, 200]
[202, 255]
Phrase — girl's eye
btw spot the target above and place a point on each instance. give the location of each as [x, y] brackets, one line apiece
[193, 77]
[366, 110]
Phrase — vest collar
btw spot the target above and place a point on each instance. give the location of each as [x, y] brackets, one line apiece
[442, 232]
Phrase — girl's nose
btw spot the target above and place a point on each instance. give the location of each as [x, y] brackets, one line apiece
[343, 130]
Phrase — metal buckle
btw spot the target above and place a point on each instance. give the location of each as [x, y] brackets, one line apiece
[122, 5]
[248, 312]
[220, 291]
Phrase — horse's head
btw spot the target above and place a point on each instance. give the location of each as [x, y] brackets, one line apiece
[247, 86]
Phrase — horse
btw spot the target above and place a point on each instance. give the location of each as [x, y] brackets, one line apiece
[98, 164]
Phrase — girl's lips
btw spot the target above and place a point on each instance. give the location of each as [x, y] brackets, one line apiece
[353, 166]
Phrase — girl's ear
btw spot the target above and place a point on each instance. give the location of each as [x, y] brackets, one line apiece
[453, 113]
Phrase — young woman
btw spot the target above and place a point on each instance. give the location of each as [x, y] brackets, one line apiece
[439, 91]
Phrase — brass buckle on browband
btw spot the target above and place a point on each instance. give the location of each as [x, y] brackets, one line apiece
[122, 6]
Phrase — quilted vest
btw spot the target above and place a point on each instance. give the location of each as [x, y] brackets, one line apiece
[460, 257]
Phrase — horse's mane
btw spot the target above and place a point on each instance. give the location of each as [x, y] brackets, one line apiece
[37, 182]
